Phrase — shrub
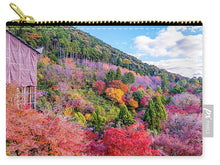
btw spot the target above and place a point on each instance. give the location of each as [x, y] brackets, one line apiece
[117, 84]
[138, 94]
[182, 135]
[144, 100]
[129, 141]
[98, 120]
[190, 90]
[124, 117]
[99, 86]
[132, 105]
[33, 133]
[115, 95]
[177, 89]
[80, 118]
[133, 88]
[185, 99]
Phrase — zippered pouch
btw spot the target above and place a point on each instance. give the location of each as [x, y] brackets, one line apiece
[103, 88]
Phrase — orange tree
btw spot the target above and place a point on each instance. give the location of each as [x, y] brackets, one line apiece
[115, 95]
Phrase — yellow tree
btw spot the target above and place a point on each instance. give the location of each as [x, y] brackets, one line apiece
[132, 104]
[46, 60]
[115, 95]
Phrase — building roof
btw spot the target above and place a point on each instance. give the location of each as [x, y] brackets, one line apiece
[22, 41]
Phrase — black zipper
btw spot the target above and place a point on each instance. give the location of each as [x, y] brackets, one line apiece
[107, 23]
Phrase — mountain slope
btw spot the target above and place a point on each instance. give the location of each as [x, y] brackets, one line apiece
[60, 42]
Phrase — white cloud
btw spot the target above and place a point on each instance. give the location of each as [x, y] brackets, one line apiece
[170, 42]
[184, 66]
[173, 44]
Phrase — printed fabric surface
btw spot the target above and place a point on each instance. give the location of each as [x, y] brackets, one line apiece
[104, 90]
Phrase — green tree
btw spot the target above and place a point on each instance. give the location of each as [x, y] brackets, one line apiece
[128, 78]
[138, 94]
[150, 90]
[118, 74]
[150, 115]
[169, 99]
[80, 118]
[177, 89]
[160, 109]
[164, 83]
[98, 120]
[163, 99]
[193, 81]
[186, 86]
[119, 61]
[154, 114]
[124, 117]
[182, 82]
[110, 75]
[200, 79]
[159, 89]
[161, 114]
[171, 77]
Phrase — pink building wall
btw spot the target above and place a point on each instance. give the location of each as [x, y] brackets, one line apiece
[21, 62]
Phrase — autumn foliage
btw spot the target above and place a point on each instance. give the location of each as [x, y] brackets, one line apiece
[118, 85]
[33, 133]
[129, 141]
[94, 100]
[115, 95]
[30, 132]
[99, 86]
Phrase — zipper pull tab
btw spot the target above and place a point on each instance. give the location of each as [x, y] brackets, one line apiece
[23, 18]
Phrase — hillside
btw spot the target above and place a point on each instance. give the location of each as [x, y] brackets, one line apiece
[94, 100]
[60, 42]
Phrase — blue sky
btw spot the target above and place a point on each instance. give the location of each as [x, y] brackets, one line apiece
[175, 48]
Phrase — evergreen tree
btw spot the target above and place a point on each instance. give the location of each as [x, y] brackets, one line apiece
[159, 89]
[118, 74]
[150, 90]
[169, 99]
[98, 120]
[160, 109]
[80, 118]
[154, 114]
[119, 62]
[200, 79]
[161, 114]
[128, 78]
[177, 89]
[163, 99]
[64, 43]
[182, 82]
[150, 115]
[164, 83]
[124, 117]
[110, 75]
[186, 86]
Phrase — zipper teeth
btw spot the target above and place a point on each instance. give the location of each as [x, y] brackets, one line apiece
[118, 22]
[199, 23]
